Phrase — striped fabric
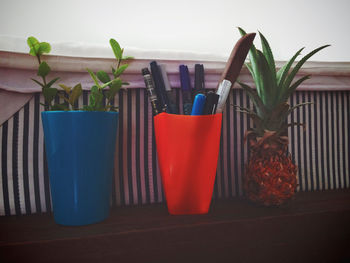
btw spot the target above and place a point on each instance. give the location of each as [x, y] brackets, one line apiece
[321, 152]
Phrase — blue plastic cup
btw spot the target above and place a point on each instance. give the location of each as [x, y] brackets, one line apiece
[80, 148]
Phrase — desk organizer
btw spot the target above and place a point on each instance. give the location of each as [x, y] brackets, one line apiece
[188, 148]
[80, 152]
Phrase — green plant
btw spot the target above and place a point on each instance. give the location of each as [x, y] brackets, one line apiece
[37, 49]
[270, 176]
[97, 94]
[70, 95]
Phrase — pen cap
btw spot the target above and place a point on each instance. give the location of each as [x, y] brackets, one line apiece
[188, 149]
[165, 77]
[185, 78]
[198, 77]
[198, 104]
[211, 103]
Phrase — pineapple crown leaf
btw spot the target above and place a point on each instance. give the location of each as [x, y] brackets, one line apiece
[268, 54]
[257, 120]
[291, 109]
[292, 88]
[260, 107]
[291, 76]
[254, 66]
[268, 81]
[240, 108]
[283, 72]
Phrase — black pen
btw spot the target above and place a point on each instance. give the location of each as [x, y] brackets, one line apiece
[211, 103]
[186, 89]
[159, 87]
[151, 92]
[170, 93]
[198, 79]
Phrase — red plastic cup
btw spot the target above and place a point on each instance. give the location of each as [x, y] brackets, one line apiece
[188, 149]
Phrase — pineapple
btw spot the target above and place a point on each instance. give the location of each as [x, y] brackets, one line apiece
[271, 177]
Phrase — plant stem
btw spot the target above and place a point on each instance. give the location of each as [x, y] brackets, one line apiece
[44, 78]
[47, 105]
[119, 61]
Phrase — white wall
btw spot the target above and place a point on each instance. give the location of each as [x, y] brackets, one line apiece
[185, 25]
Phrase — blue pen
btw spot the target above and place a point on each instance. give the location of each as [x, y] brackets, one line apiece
[198, 104]
[186, 89]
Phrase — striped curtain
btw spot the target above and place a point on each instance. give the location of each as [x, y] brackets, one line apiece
[321, 152]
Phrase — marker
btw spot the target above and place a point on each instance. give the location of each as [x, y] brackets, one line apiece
[151, 92]
[159, 87]
[211, 103]
[198, 79]
[186, 89]
[170, 93]
[233, 67]
[198, 104]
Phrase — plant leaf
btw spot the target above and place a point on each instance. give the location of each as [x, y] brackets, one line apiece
[66, 89]
[127, 58]
[103, 76]
[34, 46]
[285, 126]
[49, 94]
[114, 89]
[76, 92]
[94, 78]
[283, 72]
[120, 70]
[39, 83]
[299, 105]
[96, 98]
[291, 76]
[260, 107]
[48, 85]
[92, 101]
[107, 84]
[267, 82]
[292, 88]
[116, 49]
[249, 67]
[44, 69]
[256, 119]
[268, 55]
[62, 96]
[44, 47]
[253, 60]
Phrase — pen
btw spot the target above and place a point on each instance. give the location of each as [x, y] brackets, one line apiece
[210, 103]
[198, 104]
[170, 93]
[198, 79]
[159, 87]
[151, 92]
[233, 67]
[186, 89]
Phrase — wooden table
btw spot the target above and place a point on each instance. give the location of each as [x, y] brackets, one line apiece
[315, 227]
